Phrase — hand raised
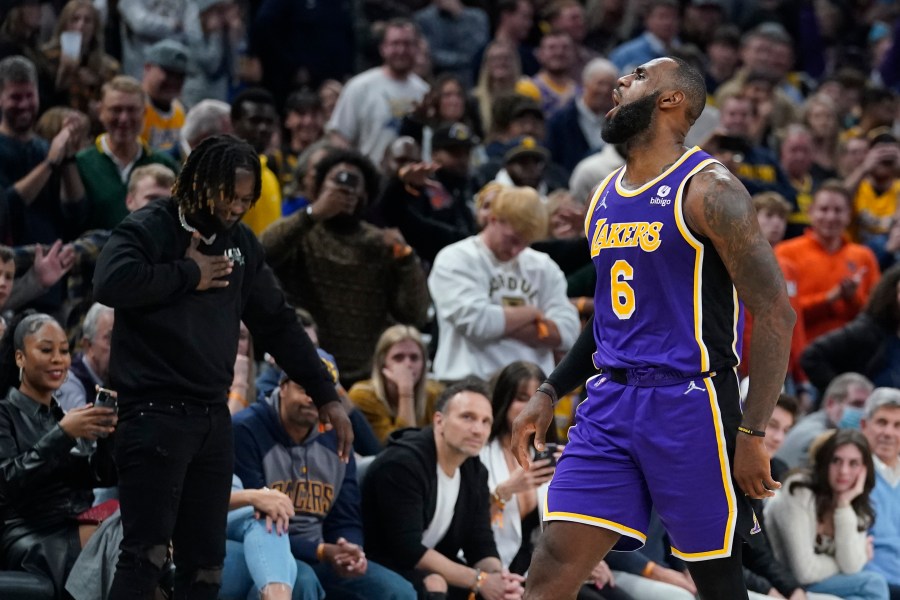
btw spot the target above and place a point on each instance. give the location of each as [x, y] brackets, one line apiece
[535, 419]
[213, 269]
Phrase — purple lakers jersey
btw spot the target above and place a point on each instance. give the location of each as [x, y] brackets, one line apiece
[663, 298]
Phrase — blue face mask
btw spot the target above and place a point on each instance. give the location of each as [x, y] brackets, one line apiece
[850, 418]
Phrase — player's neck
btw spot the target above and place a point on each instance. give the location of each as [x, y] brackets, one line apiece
[647, 160]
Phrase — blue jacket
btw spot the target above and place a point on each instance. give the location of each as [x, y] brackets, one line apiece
[886, 530]
[324, 489]
[565, 140]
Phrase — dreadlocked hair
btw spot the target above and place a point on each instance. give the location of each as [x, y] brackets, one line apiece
[209, 173]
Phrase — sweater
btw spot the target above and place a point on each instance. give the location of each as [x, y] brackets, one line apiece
[350, 282]
[170, 340]
[103, 184]
[379, 415]
[326, 496]
[471, 287]
[400, 498]
[791, 517]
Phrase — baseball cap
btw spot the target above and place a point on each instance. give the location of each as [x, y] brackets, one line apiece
[168, 54]
[525, 146]
[526, 106]
[455, 135]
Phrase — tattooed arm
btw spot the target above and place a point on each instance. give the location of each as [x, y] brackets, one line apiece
[718, 206]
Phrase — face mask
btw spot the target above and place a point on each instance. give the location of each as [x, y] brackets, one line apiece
[850, 418]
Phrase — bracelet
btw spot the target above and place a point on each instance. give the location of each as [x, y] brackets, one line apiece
[548, 389]
[648, 569]
[542, 331]
[232, 395]
[320, 553]
[580, 304]
[480, 576]
[753, 432]
[496, 499]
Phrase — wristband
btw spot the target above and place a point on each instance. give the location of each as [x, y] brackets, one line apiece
[753, 432]
[500, 502]
[648, 569]
[239, 397]
[320, 553]
[401, 250]
[548, 389]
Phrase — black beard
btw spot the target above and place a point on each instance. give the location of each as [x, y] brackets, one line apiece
[630, 120]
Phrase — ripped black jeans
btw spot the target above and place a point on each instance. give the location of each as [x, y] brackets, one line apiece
[175, 461]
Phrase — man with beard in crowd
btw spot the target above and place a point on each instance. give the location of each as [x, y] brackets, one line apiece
[674, 233]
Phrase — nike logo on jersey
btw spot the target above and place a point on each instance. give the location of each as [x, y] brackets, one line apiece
[625, 235]
[693, 387]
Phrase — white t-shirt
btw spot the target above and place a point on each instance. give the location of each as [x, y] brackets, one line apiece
[370, 108]
[448, 492]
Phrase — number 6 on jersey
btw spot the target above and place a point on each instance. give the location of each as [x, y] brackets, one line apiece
[621, 294]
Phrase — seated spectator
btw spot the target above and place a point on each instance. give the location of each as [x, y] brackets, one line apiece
[573, 133]
[867, 344]
[90, 367]
[837, 275]
[592, 170]
[79, 78]
[304, 178]
[842, 405]
[819, 520]
[47, 462]
[514, 115]
[497, 299]
[106, 166]
[516, 503]
[821, 117]
[426, 499]
[881, 426]
[318, 254]
[278, 445]
[399, 394]
[429, 202]
[163, 79]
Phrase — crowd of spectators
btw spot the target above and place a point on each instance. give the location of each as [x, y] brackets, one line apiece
[426, 168]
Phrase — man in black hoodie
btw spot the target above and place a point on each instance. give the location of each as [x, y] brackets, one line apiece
[426, 497]
[181, 275]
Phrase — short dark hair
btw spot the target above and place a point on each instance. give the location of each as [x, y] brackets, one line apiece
[303, 101]
[790, 404]
[371, 179]
[691, 82]
[875, 95]
[6, 253]
[469, 384]
[210, 172]
[17, 69]
[836, 186]
[256, 95]
[505, 387]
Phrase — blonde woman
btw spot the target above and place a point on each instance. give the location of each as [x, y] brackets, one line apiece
[398, 395]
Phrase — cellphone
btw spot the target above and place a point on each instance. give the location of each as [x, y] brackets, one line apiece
[549, 451]
[347, 178]
[107, 399]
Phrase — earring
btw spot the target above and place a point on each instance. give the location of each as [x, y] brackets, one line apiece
[20, 373]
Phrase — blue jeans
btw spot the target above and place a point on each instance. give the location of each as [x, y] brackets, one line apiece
[864, 585]
[255, 558]
[379, 583]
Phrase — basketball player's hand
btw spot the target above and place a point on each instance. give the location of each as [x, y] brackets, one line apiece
[751, 467]
[89, 421]
[276, 506]
[213, 269]
[535, 419]
[502, 586]
[334, 416]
